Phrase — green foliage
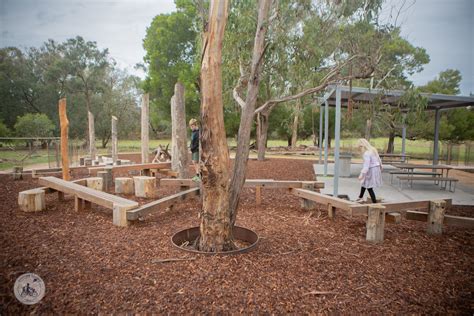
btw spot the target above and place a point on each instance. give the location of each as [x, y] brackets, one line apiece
[4, 130]
[33, 80]
[170, 45]
[446, 83]
[34, 125]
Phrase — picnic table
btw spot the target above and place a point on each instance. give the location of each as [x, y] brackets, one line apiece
[387, 158]
[434, 175]
[410, 167]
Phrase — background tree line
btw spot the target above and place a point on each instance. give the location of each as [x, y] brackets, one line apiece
[34, 79]
[306, 42]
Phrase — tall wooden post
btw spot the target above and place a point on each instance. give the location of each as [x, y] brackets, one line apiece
[92, 149]
[114, 140]
[144, 133]
[64, 124]
[179, 150]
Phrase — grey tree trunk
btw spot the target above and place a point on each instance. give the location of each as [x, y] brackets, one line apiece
[262, 134]
[179, 152]
[248, 110]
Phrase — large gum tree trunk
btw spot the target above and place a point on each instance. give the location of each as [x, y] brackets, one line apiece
[216, 226]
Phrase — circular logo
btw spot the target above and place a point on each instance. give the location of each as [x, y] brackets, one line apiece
[29, 288]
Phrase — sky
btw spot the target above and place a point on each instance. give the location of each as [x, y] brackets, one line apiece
[445, 28]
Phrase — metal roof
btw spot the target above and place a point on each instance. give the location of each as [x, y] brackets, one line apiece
[367, 95]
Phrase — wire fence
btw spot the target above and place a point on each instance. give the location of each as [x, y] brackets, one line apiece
[40, 152]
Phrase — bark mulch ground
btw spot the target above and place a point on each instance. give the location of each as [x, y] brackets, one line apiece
[305, 262]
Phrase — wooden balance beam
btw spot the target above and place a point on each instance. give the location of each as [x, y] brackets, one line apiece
[84, 196]
[459, 221]
[161, 204]
[144, 166]
[331, 201]
[362, 209]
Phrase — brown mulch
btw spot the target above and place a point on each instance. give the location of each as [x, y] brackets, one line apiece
[305, 262]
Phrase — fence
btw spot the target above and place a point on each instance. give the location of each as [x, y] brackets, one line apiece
[41, 152]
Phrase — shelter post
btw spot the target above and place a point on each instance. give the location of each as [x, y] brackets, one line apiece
[337, 136]
[436, 137]
[326, 136]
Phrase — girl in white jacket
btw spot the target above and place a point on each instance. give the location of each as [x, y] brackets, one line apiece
[371, 174]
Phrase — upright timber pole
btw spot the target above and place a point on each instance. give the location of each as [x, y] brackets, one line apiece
[326, 137]
[404, 136]
[92, 150]
[320, 135]
[436, 137]
[64, 124]
[337, 136]
[179, 150]
[114, 140]
[144, 129]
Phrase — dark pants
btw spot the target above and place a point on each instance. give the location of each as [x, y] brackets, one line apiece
[371, 193]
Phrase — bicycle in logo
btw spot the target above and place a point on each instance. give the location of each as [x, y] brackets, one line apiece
[27, 290]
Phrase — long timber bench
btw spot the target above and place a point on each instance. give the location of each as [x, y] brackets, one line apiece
[84, 196]
[410, 179]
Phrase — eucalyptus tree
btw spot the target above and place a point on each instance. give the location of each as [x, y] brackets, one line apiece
[171, 56]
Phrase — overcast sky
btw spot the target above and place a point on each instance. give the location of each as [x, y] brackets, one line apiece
[445, 28]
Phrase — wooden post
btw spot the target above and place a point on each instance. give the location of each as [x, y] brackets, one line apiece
[144, 186]
[64, 124]
[124, 185]
[94, 183]
[179, 149]
[78, 204]
[105, 183]
[32, 200]
[331, 211]
[144, 129]
[258, 195]
[92, 150]
[17, 173]
[120, 216]
[375, 223]
[436, 217]
[114, 140]
[305, 203]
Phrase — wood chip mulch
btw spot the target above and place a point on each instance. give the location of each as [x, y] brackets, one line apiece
[305, 262]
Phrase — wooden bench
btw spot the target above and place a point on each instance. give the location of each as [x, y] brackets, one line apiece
[84, 196]
[418, 173]
[452, 187]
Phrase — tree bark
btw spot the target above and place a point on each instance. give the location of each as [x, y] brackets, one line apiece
[216, 227]
[262, 134]
[248, 110]
[294, 128]
[391, 142]
[368, 129]
[179, 150]
[64, 124]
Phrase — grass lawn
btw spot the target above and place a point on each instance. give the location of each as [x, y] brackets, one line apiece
[421, 149]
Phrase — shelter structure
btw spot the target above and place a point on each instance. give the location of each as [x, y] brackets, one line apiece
[338, 96]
